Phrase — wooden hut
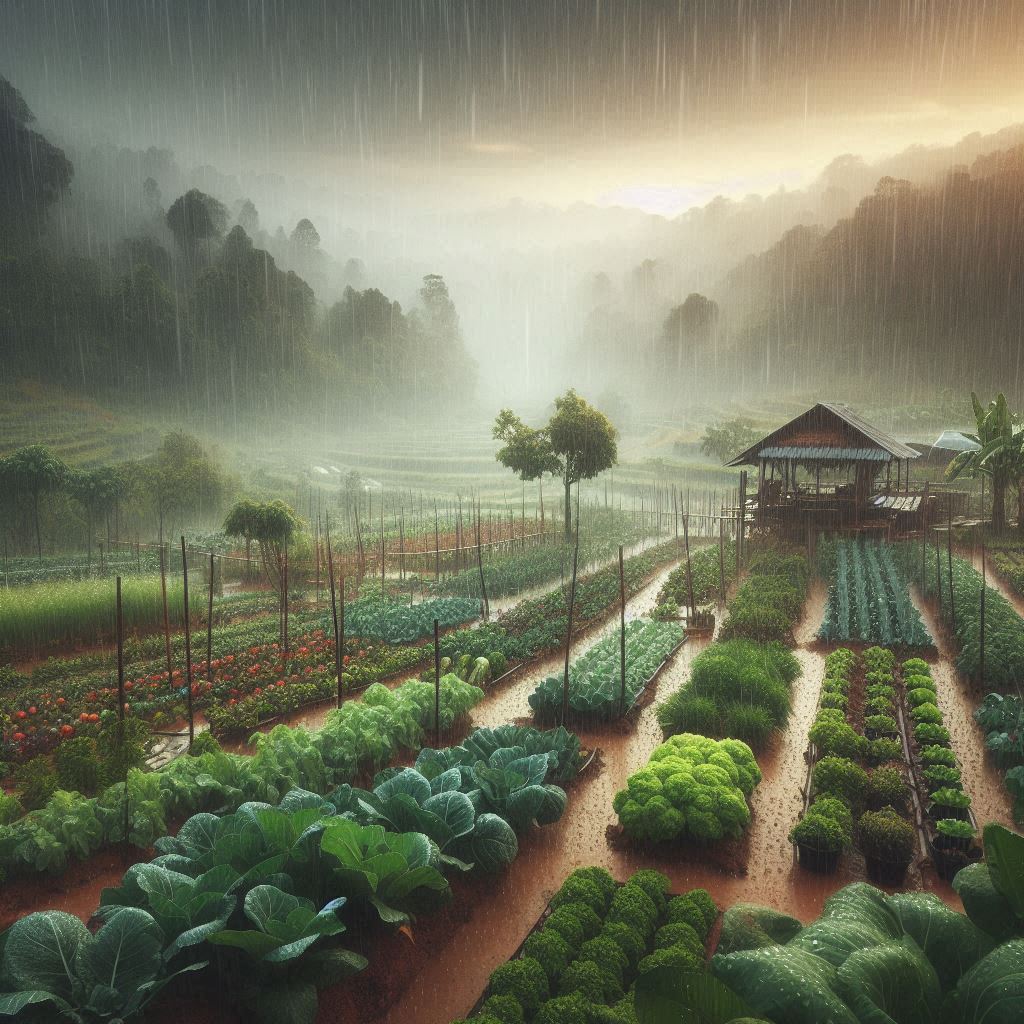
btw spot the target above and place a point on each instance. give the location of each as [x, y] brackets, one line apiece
[829, 470]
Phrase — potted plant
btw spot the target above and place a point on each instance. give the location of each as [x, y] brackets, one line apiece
[819, 840]
[949, 803]
[887, 842]
[953, 847]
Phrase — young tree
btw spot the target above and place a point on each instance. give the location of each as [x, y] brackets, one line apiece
[183, 479]
[994, 457]
[577, 443]
[95, 490]
[31, 472]
[194, 218]
[243, 520]
[727, 439]
[276, 525]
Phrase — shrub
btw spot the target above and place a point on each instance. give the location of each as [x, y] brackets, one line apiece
[10, 809]
[840, 662]
[632, 941]
[916, 666]
[524, 980]
[877, 690]
[677, 957]
[885, 748]
[682, 910]
[686, 712]
[836, 738]
[205, 743]
[703, 901]
[504, 1009]
[654, 883]
[601, 878]
[835, 700]
[839, 776]
[678, 934]
[935, 754]
[819, 833]
[833, 684]
[576, 889]
[633, 907]
[836, 809]
[37, 782]
[886, 787]
[922, 695]
[939, 775]
[879, 706]
[586, 978]
[929, 733]
[883, 724]
[751, 724]
[884, 835]
[575, 922]
[568, 1009]
[77, 765]
[604, 951]
[550, 950]
[926, 713]
[120, 747]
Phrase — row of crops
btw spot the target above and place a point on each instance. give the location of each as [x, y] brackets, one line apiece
[868, 598]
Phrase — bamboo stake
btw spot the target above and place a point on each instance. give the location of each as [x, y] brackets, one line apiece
[334, 612]
[622, 635]
[163, 596]
[437, 686]
[209, 627]
[188, 647]
[568, 629]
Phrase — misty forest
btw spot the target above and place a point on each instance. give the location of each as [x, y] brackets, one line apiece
[511, 512]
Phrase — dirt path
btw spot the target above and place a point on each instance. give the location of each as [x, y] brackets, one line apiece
[957, 701]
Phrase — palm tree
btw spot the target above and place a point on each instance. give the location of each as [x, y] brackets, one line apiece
[994, 456]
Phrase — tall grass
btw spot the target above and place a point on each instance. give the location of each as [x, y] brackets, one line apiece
[41, 616]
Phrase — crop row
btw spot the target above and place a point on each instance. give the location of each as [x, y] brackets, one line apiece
[595, 678]
[257, 898]
[856, 726]
[706, 567]
[597, 941]
[868, 597]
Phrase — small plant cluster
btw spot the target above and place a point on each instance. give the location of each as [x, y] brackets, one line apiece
[845, 792]
[738, 689]
[705, 570]
[770, 600]
[360, 735]
[691, 788]
[598, 938]
[1002, 719]
[951, 831]
[382, 618]
[868, 597]
[595, 678]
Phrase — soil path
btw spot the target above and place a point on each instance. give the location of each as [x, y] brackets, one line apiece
[957, 701]
[454, 975]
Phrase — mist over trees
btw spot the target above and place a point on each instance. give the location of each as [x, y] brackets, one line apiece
[193, 308]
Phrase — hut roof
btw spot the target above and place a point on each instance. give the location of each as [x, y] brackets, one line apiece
[827, 432]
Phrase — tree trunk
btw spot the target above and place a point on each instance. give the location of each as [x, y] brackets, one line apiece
[998, 504]
[568, 509]
[39, 539]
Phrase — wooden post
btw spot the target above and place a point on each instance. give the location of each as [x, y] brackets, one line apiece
[981, 620]
[938, 574]
[622, 634]
[437, 546]
[721, 560]
[437, 686]
[382, 543]
[334, 612]
[316, 547]
[924, 541]
[284, 598]
[188, 646]
[568, 628]
[689, 568]
[163, 596]
[120, 655]
[949, 550]
[480, 565]
[209, 628]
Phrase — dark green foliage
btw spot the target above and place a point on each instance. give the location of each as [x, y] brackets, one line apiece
[629, 939]
[678, 934]
[839, 776]
[505, 1009]
[120, 747]
[565, 1009]
[679, 957]
[633, 907]
[834, 738]
[586, 978]
[885, 748]
[523, 979]
[550, 950]
[654, 883]
[886, 786]
[606, 952]
[204, 743]
[78, 765]
[10, 809]
[575, 922]
[886, 836]
[683, 910]
[579, 889]
[37, 782]
[751, 926]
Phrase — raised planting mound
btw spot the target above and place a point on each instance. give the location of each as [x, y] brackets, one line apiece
[868, 596]
[594, 944]
[692, 788]
[595, 678]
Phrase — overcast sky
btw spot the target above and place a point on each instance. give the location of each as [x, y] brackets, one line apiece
[654, 104]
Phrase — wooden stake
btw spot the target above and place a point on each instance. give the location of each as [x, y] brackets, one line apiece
[981, 620]
[334, 613]
[622, 635]
[163, 596]
[437, 685]
[568, 630]
[120, 655]
[949, 552]
[209, 627]
[188, 647]
[689, 567]
[480, 564]
[721, 560]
